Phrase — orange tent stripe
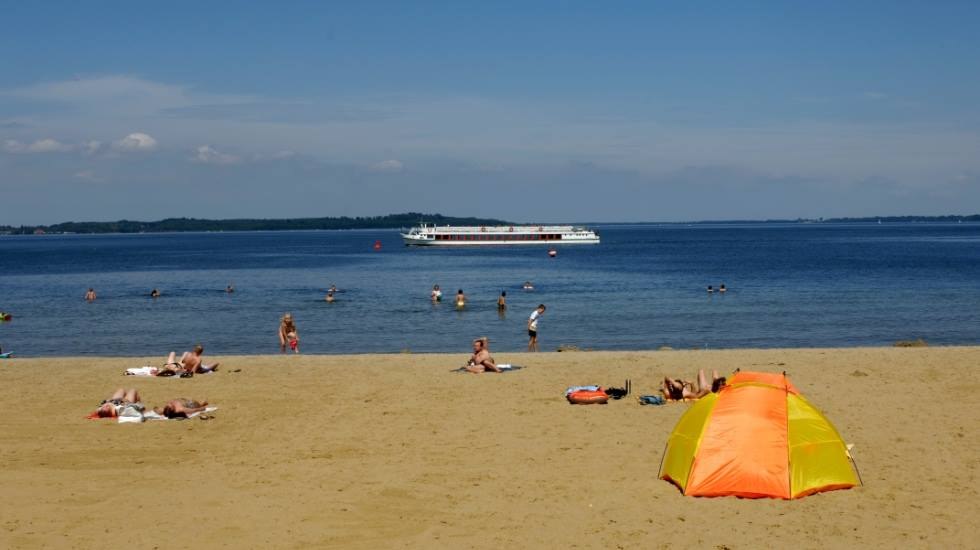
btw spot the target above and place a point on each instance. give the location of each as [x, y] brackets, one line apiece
[778, 380]
[743, 450]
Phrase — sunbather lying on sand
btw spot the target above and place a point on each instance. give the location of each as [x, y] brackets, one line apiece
[481, 361]
[190, 362]
[677, 389]
[111, 407]
[181, 407]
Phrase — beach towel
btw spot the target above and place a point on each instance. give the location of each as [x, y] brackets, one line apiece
[142, 371]
[147, 370]
[152, 415]
[573, 389]
[505, 367]
[651, 400]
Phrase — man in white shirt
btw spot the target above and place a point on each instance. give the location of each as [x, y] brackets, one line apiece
[532, 328]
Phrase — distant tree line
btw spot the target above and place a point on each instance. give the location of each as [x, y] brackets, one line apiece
[407, 219]
[907, 219]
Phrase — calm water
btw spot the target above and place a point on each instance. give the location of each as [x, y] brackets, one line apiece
[643, 287]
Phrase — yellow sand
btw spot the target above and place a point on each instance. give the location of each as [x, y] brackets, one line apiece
[394, 451]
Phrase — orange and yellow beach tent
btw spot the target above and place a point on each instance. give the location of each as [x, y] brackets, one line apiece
[757, 437]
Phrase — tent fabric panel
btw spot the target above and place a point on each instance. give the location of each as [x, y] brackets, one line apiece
[683, 441]
[743, 450]
[817, 453]
[776, 379]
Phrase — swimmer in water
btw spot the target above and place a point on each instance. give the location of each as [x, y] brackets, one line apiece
[154, 293]
[710, 290]
[436, 294]
[229, 289]
[528, 285]
[460, 299]
[722, 288]
[330, 299]
[502, 301]
[90, 295]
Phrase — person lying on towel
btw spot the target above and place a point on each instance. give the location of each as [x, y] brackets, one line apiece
[678, 390]
[118, 402]
[181, 407]
[190, 363]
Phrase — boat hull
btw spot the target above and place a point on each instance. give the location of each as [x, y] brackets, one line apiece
[501, 235]
[416, 241]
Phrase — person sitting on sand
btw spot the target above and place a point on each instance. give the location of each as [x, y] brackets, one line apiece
[288, 334]
[481, 361]
[122, 398]
[181, 407]
[190, 362]
[678, 390]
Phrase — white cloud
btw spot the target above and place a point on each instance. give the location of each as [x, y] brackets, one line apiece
[46, 145]
[88, 175]
[390, 165]
[206, 154]
[136, 141]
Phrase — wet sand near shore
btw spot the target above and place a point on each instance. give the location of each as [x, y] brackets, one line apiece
[395, 451]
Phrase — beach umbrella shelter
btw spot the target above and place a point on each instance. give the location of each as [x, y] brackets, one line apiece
[757, 437]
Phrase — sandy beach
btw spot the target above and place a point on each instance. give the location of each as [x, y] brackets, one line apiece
[395, 451]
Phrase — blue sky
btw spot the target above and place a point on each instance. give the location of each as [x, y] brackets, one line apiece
[545, 112]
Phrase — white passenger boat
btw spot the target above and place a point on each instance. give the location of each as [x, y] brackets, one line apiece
[448, 235]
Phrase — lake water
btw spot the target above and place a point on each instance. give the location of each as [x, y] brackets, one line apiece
[643, 287]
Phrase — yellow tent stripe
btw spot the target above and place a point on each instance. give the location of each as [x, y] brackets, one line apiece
[817, 456]
[682, 445]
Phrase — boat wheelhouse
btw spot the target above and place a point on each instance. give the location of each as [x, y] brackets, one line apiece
[447, 235]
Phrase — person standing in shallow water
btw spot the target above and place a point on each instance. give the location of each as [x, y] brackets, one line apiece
[532, 328]
[436, 294]
[90, 295]
[502, 301]
[288, 335]
[460, 299]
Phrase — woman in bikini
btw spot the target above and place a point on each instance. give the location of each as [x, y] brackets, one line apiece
[181, 407]
[288, 334]
[678, 390]
[122, 398]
